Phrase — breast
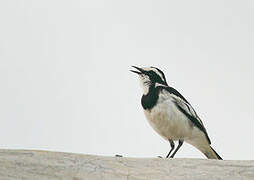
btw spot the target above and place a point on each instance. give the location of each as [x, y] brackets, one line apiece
[167, 121]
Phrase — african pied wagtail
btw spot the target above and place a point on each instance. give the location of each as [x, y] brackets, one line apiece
[170, 114]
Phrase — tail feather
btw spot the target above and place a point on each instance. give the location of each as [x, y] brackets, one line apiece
[210, 153]
[218, 156]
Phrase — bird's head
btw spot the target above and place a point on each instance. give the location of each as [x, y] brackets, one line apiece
[149, 76]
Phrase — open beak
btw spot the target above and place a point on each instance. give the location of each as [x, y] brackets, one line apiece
[140, 70]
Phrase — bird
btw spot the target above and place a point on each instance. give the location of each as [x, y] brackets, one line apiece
[170, 114]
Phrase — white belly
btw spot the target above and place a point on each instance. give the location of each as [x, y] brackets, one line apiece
[168, 121]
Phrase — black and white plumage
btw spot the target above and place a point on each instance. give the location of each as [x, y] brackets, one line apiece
[170, 114]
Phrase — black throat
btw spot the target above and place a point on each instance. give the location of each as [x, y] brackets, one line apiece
[149, 100]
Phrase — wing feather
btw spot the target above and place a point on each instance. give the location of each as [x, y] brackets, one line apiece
[185, 107]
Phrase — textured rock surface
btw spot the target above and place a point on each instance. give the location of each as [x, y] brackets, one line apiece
[22, 164]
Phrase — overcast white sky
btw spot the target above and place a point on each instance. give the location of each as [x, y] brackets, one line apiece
[65, 83]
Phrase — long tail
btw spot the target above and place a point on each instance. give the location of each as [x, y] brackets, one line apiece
[210, 153]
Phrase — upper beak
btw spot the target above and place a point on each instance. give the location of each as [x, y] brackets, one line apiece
[137, 72]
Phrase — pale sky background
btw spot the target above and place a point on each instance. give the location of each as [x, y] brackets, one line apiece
[66, 84]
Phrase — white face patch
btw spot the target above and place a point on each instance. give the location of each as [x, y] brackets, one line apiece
[156, 71]
[144, 82]
[145, 79]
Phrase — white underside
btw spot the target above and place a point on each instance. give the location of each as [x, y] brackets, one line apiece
[172, 124]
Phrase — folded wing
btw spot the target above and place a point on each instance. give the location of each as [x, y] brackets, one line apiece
[185, 107]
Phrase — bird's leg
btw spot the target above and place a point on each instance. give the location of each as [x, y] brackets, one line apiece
[172, 144]
[180, 143]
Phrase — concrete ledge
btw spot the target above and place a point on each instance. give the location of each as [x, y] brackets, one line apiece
[36, 165]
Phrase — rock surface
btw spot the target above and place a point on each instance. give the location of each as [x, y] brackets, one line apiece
[36, 165]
